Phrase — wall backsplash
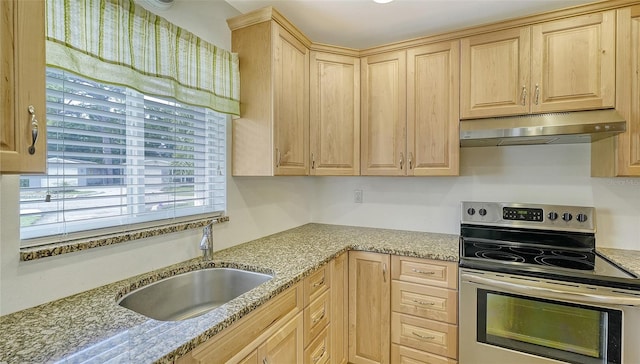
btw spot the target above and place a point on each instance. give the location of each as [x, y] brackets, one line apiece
[553, 174]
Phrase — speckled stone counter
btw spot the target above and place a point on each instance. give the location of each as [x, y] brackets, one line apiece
[627, 259]
[91, 328]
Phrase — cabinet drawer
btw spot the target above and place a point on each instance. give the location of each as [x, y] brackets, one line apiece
[318, 351]
[426, 335]
[423, 271]
[433, 303]
[404, 355]
[315, 284]
[316, 317]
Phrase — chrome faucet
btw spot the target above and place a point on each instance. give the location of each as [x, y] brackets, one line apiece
[206, 243]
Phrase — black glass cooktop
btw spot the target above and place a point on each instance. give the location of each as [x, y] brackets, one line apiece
[552, 257]
[561, 255]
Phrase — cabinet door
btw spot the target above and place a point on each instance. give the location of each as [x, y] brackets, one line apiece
[340, 310]
[22, 84]
[494, 73]
[383, 108]
[252, 136]
[628, 102]
[285, 346]
[334, 101]
[291, 104]
[251, 358]
[573, 63]
[369, 307]
[433, 139]
[620, 156]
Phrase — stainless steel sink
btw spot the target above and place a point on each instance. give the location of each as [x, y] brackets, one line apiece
[191, 294]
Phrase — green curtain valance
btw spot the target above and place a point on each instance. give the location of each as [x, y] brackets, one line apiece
[119, 42]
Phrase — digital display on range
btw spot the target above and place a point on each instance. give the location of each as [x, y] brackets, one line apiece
[523, 214]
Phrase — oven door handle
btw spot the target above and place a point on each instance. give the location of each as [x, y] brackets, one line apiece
[545, 292]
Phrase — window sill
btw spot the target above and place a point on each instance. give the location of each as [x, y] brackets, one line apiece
[59, 248]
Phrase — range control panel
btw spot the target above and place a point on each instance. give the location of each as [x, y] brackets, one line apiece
[523, 214]
[536, 216]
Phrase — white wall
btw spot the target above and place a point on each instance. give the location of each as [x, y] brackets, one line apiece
[261, 206]
[550, 174]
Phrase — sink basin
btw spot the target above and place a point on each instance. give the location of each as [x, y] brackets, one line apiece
[191, 294]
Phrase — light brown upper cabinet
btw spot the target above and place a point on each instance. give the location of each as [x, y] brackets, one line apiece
[410, 111]
[560, 65]
[620, 156]
[433, 105]
[334, 98]
[384, 114]
[23, 147]
[271, 137]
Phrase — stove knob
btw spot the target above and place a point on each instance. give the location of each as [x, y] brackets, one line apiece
[482, 212]
[581, 217]
[552, 216]
[567, 217]
[471, 211]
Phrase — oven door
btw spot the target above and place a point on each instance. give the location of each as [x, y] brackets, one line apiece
[515, 319]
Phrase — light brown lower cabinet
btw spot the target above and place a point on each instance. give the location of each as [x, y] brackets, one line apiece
[424, 310]
[361, 307]
[369, 307]
[405, 355]
[281, 347]
[271, 331]
[402, 309]
[340, 309]
[427, 335]
[319, 350]
[317, 315]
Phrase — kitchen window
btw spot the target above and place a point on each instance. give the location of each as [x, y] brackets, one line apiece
[136, 124]
[117, 157]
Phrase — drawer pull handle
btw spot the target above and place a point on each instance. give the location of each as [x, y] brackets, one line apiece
[264, 361]
[422, 336]
[318, 318]
[317, 358]
[317, 284]
[424, 303]
[429, 273]
[34, 129]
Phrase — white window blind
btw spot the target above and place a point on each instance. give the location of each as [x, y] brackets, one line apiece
[117, 157]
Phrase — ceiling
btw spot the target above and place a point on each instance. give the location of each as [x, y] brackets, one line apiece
[363, 24]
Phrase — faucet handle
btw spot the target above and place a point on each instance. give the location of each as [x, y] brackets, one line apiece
[203, 243]
[206, 243]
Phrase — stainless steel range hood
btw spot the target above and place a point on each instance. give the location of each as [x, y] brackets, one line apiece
[553, 128]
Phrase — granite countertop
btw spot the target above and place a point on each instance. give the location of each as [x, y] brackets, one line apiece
[627, 259]
[91, 328]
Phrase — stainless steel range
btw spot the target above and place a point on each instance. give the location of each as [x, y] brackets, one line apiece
[533, 289]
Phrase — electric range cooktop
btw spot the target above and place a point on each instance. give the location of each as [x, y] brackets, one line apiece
[549, 241]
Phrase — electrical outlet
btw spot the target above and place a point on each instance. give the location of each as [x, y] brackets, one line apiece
[357, 196]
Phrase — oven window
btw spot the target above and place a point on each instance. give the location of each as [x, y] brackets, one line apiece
[569, 332]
